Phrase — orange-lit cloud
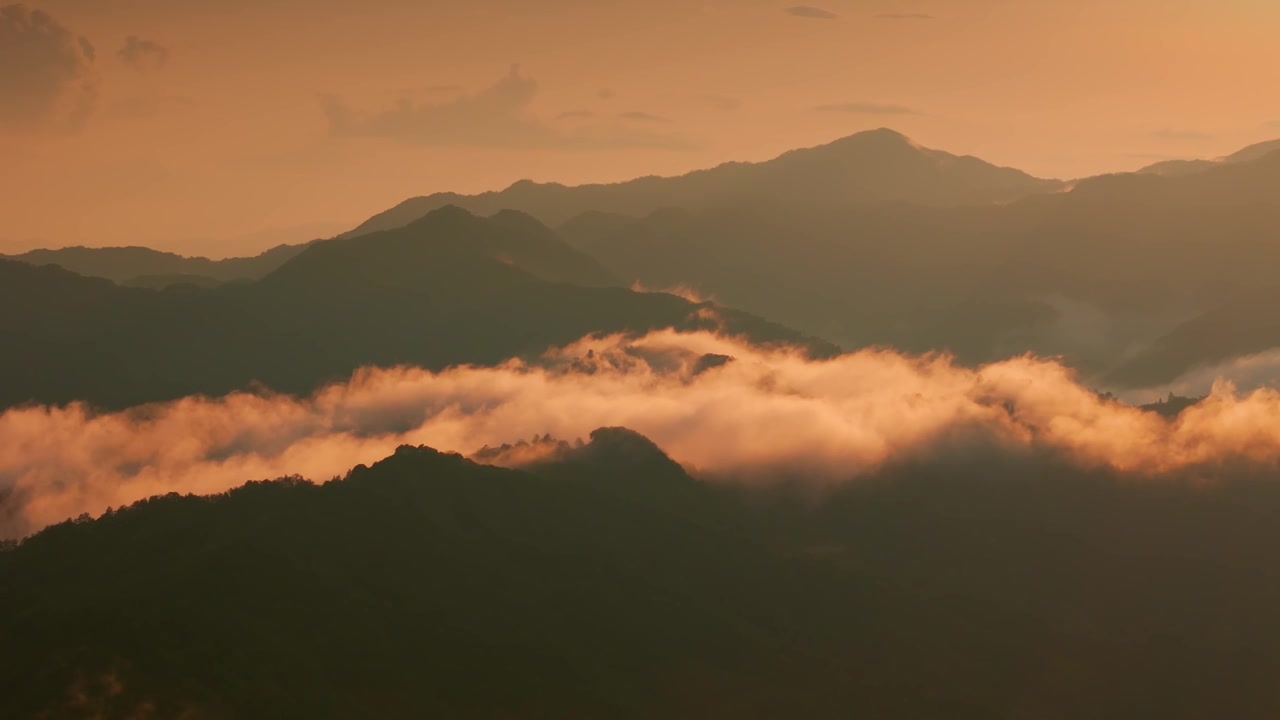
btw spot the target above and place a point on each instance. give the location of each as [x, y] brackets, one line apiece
[867, 108]
[496, 117]
[48, 80]
[142, 54]
[767, 413]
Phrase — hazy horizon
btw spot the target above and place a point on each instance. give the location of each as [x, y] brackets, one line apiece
[181, 130]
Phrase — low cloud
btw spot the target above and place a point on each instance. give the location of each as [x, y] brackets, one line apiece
[867, 108]
[48, 80]
[141, 54]
[576, 115]
[1182, 135]
[904, 16]
[808, 11]
[1248, 372]
[767, 413]
[496, 117]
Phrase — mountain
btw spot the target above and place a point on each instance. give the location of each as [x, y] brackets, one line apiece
[160, 282]
[1174, 168]
[609, 583]
[1092, 274]
[1245, 325]
[870, 167]
[145, 267]
[448, 289]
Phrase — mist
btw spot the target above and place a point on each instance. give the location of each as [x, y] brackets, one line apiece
[768, 415]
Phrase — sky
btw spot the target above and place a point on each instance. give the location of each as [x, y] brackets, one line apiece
[221, 127]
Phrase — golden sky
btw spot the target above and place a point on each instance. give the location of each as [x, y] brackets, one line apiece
[221, 126]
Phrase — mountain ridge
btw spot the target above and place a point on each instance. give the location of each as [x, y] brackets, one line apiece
[917, 174]
[430, 295]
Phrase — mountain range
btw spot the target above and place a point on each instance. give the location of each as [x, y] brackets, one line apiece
[876, 240]
[1094, 274]
[869, 167]
[605, 581]
[143, 267]
[448, 289]
[1187, 167]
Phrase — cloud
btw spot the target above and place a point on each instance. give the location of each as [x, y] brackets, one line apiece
[48, 80]
[904, 16]
[141, 54]
[1181, 135]
[495, 117]
[866, 108]
[606, 94]
[576, 115]
[1274, 124]
[719, 102]
[643, 117]
[808, 11]
[768, 413]
[1247, 372]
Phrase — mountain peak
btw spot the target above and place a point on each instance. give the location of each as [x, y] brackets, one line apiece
[883, 134]
[874, 166]
[450, 211]
[627, 447]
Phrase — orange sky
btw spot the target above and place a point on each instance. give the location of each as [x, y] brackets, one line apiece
[227, 118]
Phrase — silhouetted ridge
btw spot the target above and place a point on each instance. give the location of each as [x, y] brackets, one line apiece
[1177, 168]
[870, 167]
[1257, 151]
[624, 448]
[450, 289]
[447, 246]
[426, 585]
[130, 264]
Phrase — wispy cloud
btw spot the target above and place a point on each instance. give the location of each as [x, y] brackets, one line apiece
[868, 108]
[141, 54]
[808, 11]
[48, 80]
[904, 16]
[498, 116]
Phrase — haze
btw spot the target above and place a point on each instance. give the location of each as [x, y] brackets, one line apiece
[220, 128]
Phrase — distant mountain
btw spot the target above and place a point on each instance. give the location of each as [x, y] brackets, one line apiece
[160, 282]
[144, 266]
[1091, 274]
[870, 167]
[1246, 325]
[1174, 168]
[608, 583]
[449, 289]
